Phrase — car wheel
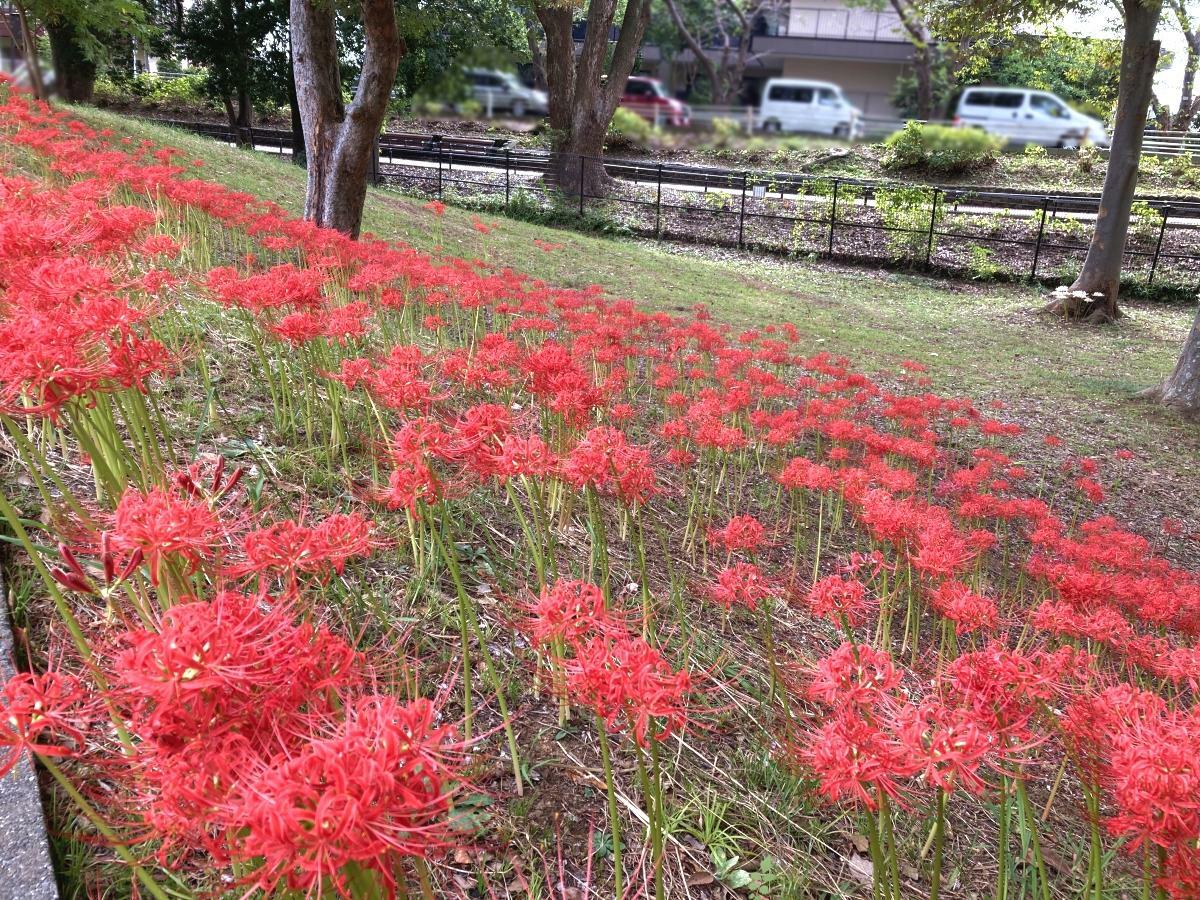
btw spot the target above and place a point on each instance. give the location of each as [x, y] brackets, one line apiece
[771, 127]
[1069, 143]
[518, 108]
[841, 131]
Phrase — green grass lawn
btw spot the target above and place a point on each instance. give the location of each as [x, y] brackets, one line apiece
[979, 339]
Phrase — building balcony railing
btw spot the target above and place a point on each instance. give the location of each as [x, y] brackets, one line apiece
[842, 24]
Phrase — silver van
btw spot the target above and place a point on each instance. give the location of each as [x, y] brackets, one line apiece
[1024, 116]
[499, 91]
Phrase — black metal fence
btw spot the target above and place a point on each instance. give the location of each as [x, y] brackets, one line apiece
[970, 231]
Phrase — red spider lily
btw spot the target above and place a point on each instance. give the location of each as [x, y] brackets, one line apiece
[74, 578]
[162, 524]
[47, 714]
[853, 758]
[604, 458]
[840, 600]
[291, 547]
[283, 285]
[1154, 772]
[1003, 688]
[626, 682]
[967, 610]
[743, 532]
[518, 456]
[948, 745]
[226, 658]
[741, 584]
[855, 674]
[570, 611]
[377, 789]
[191, 480]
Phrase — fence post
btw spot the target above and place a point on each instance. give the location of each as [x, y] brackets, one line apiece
[1037, 245]
[507, 184]
[833, 215]
[439, 174]
[742, 213]
[375, 161]
[749, 119]
[1162, 229]
[582, 160]
[932, 223]
[658, 204]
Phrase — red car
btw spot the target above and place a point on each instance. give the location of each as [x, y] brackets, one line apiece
[649, 99]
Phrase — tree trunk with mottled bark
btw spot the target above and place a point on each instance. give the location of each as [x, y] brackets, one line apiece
[1093, 296]
[537, 59]
[340, 141]
[1181, 390]
[581, 101]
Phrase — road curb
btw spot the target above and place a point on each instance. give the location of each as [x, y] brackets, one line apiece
[26, 870]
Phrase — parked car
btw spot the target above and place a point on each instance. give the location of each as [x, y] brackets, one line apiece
[1025, 116]
[506, 93]
[649, 99]
[792, 104]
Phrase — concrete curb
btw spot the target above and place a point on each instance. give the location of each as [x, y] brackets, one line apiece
[26, 872]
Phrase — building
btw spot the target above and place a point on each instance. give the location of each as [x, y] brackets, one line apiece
[12, 44]
[862, 51]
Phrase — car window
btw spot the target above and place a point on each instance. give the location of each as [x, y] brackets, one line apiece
[1049, 106]
[980, 98]
[791, 93]
[827, 97]
[637, 89]
[1006, 100]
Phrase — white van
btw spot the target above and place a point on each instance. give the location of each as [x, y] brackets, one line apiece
[1023, 116]
[792, 104]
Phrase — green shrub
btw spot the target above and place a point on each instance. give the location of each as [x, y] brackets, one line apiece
[1086, 158]
[907, 213]
[725, 131]
[1145, 222]
[149, 89]
[940, 148]
[628, 131]
[981, 266]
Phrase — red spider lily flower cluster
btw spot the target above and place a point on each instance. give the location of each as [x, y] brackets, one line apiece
[618, 675]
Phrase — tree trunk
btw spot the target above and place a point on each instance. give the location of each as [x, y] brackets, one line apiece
[29, 43]
[339, 141]
[581, 102]
[536, 58]
[74, 73]
[1181, 390]
[298, 155]
[1093, 296]
[1185, 112]
[923, 70]
[920, 38]
[716, 82]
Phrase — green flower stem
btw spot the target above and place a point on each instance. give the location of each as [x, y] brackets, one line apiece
[614, 822]
[103, 827]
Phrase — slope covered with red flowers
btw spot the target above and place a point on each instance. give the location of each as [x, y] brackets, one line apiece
[527, 522]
